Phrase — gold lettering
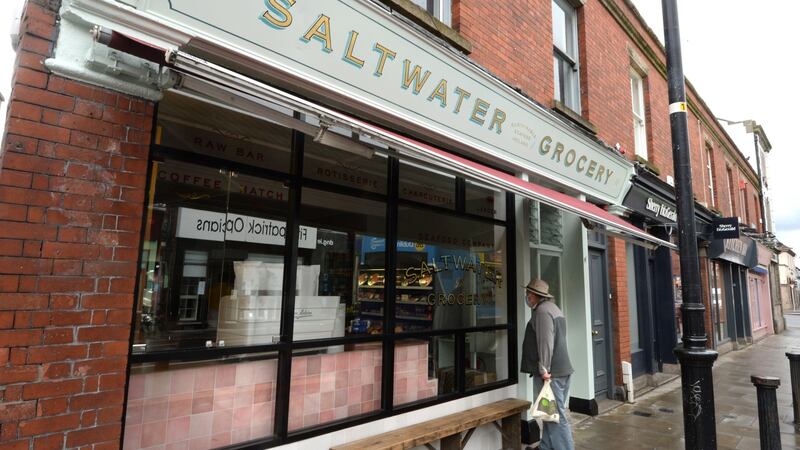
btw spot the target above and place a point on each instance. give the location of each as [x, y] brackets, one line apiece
[462, 94]
[414, 77]
[276, 8]
[581, 163]
[590, 170]
[557, 152]
[348, 54]
[385, 54]
[479, 111]
[498, 119]
[544, 146]
[321, 30]
[440, 92]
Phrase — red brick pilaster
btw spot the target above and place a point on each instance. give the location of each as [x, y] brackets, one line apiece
[72, 183]
[620, 320]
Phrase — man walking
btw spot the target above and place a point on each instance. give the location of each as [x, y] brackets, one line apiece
[545, 357]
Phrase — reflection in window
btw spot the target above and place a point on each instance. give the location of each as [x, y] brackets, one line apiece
[204, 237]
[487, 358]
[485, 201]
[451, 274]
[425, 186]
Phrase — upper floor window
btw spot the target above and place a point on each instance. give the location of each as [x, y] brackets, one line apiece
[710, 168]
[565, 55]
[639, 128]
[437, 8]
[731, 191]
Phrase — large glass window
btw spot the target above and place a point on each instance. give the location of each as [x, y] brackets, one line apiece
[565, 55]
[225, 195]
[350, 248]
[451, 272]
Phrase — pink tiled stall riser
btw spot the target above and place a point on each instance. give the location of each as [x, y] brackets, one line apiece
[200, 407]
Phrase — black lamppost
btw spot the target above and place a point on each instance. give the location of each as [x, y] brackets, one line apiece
[695, 359]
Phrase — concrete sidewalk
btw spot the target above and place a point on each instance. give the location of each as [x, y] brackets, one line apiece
[655, 421]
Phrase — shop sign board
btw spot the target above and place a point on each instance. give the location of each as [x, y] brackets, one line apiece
[360, 51]
[217, 226]
[651, 205]
[740, 251]
[725, 228]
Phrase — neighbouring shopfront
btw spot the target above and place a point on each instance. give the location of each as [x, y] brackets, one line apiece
[730, 260]
[335, 222]
[758, 288]
[653, 309]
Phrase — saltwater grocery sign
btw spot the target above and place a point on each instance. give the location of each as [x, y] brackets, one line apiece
[358, 50]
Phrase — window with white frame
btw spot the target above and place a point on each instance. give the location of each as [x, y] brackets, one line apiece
[565, 55]
[639, 127]
[710, 167]
[441, 9]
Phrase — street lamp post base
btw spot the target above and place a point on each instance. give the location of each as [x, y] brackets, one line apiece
[699, 420]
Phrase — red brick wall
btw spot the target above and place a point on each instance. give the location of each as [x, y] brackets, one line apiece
[620, 320]
[513, 40]
[71, 195]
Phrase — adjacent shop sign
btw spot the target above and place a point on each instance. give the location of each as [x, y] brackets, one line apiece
[740, 251]
[650, 205]
[725, 228]
[359, 50]
[216, 226]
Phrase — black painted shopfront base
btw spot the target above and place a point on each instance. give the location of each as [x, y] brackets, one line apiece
[584, 406]
[530, 431]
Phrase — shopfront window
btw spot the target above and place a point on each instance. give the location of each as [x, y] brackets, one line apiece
[451, 272]
[427, 187]
[340, 278]
[718, 303]
[222, 203]
[485, 201]
[487, 358]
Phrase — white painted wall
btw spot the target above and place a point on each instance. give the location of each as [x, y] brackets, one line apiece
[575, 273]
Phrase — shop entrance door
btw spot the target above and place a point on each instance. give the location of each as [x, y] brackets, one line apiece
[598, 291]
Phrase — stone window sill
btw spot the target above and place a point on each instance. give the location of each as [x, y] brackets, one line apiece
[431, 24]
[564, 111]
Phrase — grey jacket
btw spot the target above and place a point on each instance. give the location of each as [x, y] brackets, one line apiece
[545, 345]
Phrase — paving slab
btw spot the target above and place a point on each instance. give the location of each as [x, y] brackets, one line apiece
[655, 421]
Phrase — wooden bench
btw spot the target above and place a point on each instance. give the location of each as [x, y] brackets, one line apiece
[449, 429]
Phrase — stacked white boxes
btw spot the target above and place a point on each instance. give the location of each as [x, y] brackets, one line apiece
[251, 315]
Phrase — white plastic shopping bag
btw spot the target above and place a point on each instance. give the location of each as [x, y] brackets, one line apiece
[545, 408]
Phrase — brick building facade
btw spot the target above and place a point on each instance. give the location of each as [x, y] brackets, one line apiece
[74, 184]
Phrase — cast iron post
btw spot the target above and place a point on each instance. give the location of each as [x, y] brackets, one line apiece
[696, 361]
[794, 369]
[768, 428]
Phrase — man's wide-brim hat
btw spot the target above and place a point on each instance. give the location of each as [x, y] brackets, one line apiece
[540, 288]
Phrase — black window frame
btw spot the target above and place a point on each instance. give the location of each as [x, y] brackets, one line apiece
[286, 347]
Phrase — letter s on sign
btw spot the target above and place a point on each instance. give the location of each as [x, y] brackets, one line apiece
[278, 9]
